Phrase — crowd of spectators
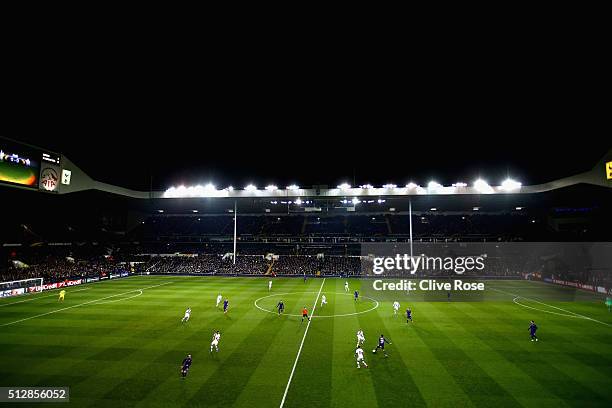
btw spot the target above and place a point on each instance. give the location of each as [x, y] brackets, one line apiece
[251, 265]
[206, 264]
[503, 260]
[296, 265]
[342, 265]
[54, 269]
[284, 265]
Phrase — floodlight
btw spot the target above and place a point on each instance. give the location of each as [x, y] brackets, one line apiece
[482, 186]
[433, 186]
[510, 185]
[171, 192]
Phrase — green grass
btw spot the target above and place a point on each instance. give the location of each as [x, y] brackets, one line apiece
[127, 353]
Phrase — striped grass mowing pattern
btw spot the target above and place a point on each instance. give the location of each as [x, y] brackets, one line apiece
[120, 343]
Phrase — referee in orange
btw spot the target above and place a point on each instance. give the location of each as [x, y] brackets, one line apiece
[305, 314]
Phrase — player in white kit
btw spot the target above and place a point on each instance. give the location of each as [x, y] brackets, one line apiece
[396, 307]
[187, 315]
[323, 300]
[215, 341]
[360, 338]
[269, 285]
[360, 360]
[219, 299]
[346, 288]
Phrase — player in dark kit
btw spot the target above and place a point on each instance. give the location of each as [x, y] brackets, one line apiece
[381, 345]
[185, 366]
[281, 307]
[356, 295]
[225, 305]
[408, 315]
[532, 331]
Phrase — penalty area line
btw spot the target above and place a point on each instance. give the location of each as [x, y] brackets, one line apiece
[39, 297]
[120, 300]
[301, 345]
[81, 304]
[551, 306]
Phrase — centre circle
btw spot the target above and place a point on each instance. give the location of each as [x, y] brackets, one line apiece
[267, 309]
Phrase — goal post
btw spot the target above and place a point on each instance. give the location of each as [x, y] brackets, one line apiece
[21, 287]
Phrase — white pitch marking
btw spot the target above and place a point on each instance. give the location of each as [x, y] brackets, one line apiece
[57, 289]
[81, 304]
[318, 317]
[40, 297]
[515, 300]
[301, 345]
[120, 300]
[545, 304]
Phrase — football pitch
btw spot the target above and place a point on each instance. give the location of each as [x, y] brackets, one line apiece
[120, 343]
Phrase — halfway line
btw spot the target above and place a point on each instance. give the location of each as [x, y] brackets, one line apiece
[301, 345]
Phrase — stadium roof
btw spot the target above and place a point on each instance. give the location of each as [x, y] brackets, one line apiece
[599, 175]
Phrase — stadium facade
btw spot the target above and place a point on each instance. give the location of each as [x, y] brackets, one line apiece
[62, 213]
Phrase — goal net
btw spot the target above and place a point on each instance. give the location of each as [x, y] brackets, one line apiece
[20, 287]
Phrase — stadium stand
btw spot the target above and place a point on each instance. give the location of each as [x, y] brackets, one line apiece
[90, 233]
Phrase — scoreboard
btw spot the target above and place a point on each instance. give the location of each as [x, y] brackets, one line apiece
[26, 166]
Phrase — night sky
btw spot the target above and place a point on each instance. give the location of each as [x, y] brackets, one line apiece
[532, 122]
[283, 161]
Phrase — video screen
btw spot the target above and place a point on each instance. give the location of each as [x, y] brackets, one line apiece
[19, 164]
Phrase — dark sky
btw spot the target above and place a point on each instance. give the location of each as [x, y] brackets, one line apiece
[377, 159]
[534, 115]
